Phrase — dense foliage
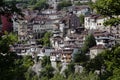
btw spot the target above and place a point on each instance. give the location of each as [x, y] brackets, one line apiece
[88, 43]
[107, 63]
[40, 4]
[110, 9]
[63, 4]
[8, 7]
[12, 66]
[45, 41]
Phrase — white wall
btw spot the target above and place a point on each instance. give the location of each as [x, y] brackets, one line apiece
[95, 52]
[91, 23]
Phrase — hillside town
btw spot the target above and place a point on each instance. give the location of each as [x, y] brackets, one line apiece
[61, 34]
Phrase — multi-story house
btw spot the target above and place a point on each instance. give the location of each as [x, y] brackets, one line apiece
[57, 42]
[22, 31]
[94, 22]
[45, 51]
[66, 55]
[104, 38]
[79, 10]
[71, 22]
[55, 56]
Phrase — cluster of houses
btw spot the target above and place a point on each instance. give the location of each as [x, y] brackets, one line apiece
[68, 34]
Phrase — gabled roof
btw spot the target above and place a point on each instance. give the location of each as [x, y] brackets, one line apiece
[97, 47]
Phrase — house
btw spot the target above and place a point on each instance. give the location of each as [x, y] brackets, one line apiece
[79, 10]
[57, 42]
[76, 39]
[25, 49]
[55, 56]
[81, 1]
[84, 1]
[104, 38]
[45, 51]
[94, 51]
[71, 22]
[94, 22]
[49, 11]
[66, 55]
[71, 47]
[57, 32]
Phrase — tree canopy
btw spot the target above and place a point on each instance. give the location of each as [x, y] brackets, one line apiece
[88, 43]
[109, 8]
[12, 66]
[81, 17]
[9, 8]
[108, 63]
[63, 4]
[46, 39]
[40, 4]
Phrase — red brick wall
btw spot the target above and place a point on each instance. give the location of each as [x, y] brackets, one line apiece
[6, 23]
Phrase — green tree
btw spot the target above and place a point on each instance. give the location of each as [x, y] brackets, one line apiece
[32, 2]
[58, 76]
[95, 64]
[88, 43]
[47, 72]
[69, 70]
[80, 58]
[6, 41]
[71, 67]
[27, 61]
[8, 7]
[40, 4]
[110, 9]
[45, 61]
[31, 75]
[83, 76]
[12, 66]
[63, 4]
[46, 39]
[81, 17]
[116, 74]
[107, 63]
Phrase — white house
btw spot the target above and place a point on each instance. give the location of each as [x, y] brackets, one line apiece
[94, 22]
